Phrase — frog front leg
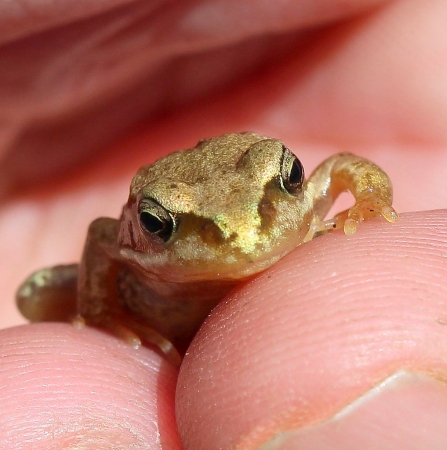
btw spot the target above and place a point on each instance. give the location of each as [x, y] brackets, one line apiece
[367, 182]
[98, 304]
[97, 271]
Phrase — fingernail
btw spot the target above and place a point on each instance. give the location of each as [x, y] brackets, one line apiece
[406, 411]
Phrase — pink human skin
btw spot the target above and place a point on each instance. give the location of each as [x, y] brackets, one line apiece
[318, 331]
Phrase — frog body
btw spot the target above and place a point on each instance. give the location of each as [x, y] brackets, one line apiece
[197, 223]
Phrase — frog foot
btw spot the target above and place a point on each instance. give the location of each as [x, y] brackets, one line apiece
[133, 334]
[365, 209]
[49, 295]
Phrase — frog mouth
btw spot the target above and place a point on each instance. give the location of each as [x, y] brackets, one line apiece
[197, 270]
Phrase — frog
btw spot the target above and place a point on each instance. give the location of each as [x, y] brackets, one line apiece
[197, 223]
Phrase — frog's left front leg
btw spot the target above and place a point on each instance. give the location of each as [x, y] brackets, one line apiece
[98, 304]
[368, 183]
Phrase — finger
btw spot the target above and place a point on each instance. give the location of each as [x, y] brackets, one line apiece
[64, 388]
[349, 85]
[319, 330]
[41, 228]
[88, 74]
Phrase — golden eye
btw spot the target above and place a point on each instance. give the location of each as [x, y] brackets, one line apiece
[156, 220]
[292, 172]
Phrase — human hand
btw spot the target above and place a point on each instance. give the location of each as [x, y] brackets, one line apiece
[311, 335]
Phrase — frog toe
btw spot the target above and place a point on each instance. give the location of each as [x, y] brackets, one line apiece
[367, 208]
[133, 333]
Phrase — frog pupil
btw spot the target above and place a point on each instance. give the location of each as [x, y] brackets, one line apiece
[156, 225]
[296, 173]
[152, 223]
[292, 172]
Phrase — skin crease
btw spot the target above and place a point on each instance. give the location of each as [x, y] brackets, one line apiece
[372, 85]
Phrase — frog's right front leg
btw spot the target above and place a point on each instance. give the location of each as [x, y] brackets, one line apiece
[98, 304]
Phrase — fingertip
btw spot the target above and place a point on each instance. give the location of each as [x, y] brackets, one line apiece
[328, 322]
[71, 387]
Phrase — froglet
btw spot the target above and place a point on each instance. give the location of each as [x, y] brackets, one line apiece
[198, 222]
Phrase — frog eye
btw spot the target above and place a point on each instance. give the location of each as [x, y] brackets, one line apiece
[292, 172]
[156, 220]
